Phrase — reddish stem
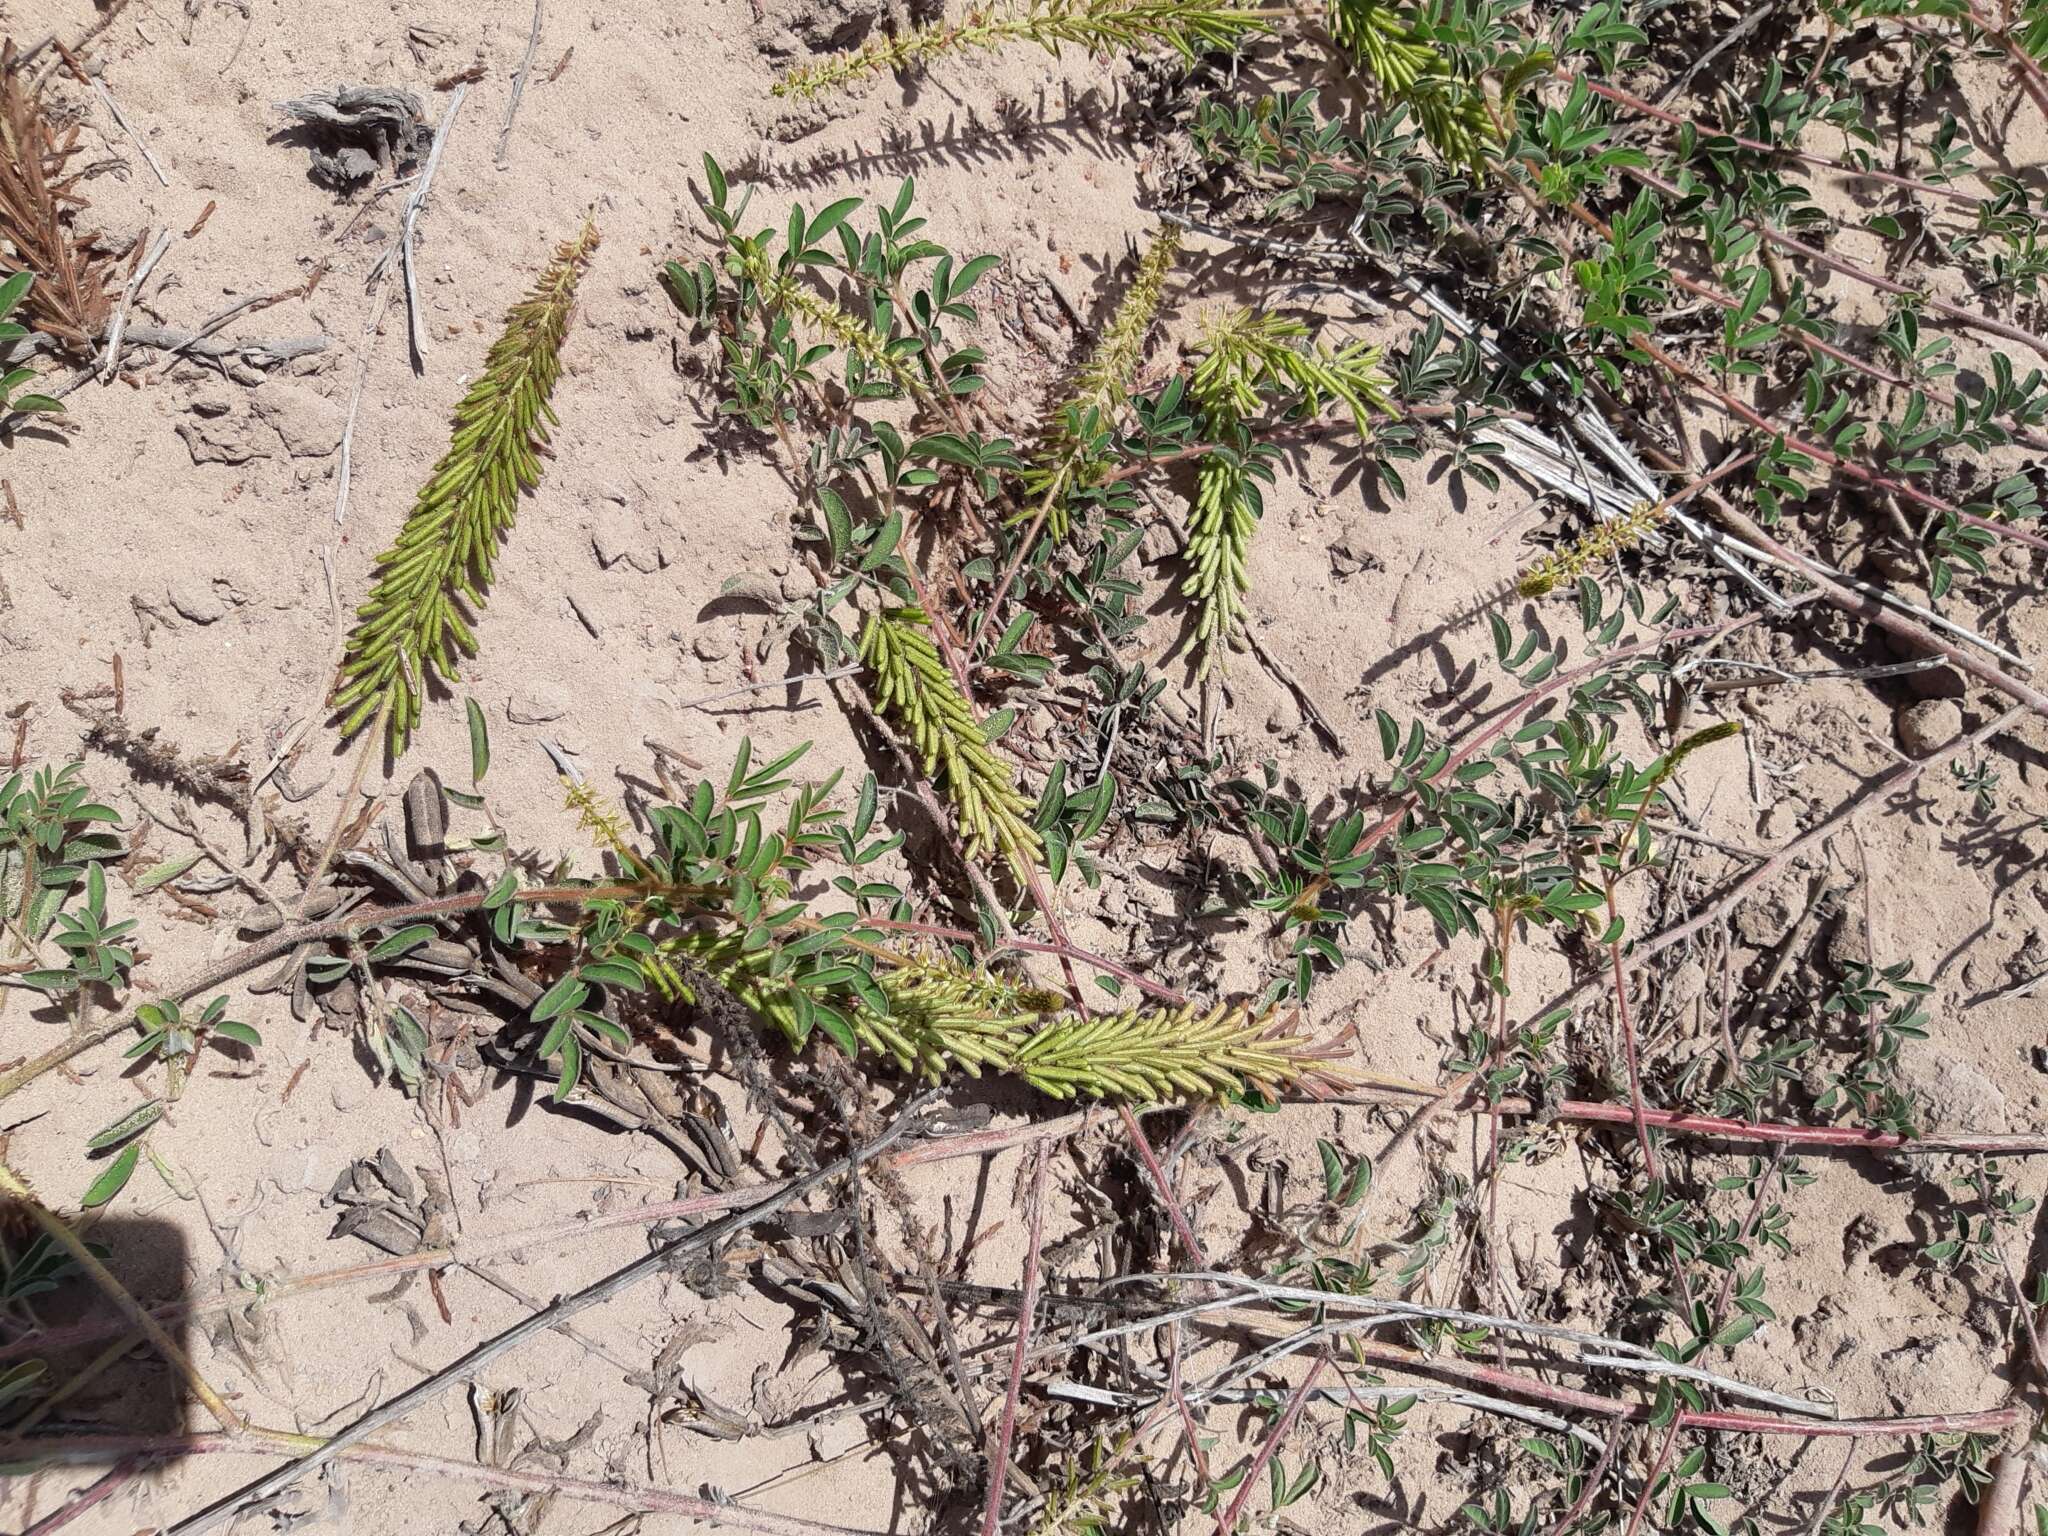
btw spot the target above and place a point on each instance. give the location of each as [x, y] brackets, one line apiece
[1227, 1522]
[1981, 1421]
[1637, 104]
[1649, 1492]
[1535, 1389]
[2032, 81]
[1681, 1123]
[1862, 274]
[1629, 1050]
[1027, 1308]
[1593, 1479]
[1163, 1185]
[116, 1479]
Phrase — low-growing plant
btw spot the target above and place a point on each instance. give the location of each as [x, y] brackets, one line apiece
[1585, 256]
[718, 896]
[53, 842]
[1248, 364]
[12, 396]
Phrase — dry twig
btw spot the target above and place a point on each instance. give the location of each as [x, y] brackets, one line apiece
[518, 88]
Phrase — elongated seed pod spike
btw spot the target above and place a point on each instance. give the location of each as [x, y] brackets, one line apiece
[411, 629]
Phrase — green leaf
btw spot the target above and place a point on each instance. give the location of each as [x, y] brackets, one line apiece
[830, 219]
[1390, 733]
[973, 273]
[114, 1178]
[614, 973]
[836, 1029]
[479, 742]
[682, 287]
[572, 1069]
[402, 942]
[1333, 1168]
[1735, 1330]
[240, 1033]
[885, 541]
[838, 524]
[162, 874]
[864, 809]
[558, 1032]
[565, 994]
[1759, 290]
[134, 1123]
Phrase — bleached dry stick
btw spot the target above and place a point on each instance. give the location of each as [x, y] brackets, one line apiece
[409, 221]
[519, 87]
[355, 403]
[114, 111]
[258, 352]
[110, 359]
[1243, 1291]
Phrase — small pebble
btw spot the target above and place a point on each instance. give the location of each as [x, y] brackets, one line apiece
[1929, 724]
[197, 601]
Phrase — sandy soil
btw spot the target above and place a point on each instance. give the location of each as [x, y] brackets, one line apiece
[183, 529]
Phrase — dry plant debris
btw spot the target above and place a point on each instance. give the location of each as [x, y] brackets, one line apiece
[40, 205]
[354, 131]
